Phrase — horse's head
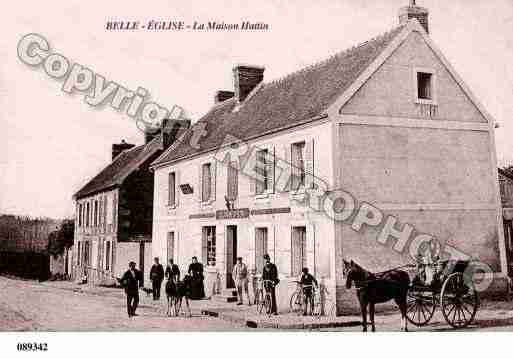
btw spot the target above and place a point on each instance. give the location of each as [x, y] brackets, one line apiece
[353, 273]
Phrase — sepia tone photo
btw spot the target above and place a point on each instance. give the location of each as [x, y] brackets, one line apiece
[331, 166]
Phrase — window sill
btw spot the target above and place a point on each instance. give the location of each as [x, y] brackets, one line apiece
[422, 101]
[171, 207]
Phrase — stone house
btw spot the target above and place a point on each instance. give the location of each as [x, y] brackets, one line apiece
[388, 122]
[114, 215]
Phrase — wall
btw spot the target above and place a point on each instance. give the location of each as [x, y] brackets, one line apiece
[442, 181]
[320, 229]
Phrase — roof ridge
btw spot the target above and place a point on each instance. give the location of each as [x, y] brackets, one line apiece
[332, 57]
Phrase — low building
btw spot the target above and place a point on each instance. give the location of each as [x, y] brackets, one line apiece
[114, 210]
[388, 122]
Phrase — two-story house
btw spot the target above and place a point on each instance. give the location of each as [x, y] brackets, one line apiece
[388, 121]
[114, 210]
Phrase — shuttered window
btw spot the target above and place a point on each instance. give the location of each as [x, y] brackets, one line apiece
[209, 245]
[261, 171]
[87, 214]
[206, 182]
[261, 242]
[107, 255]
[232, 181]
[80, 215]
[298, 250]
[95, 218]
[298, 165]
[170, 245]
[171, 200]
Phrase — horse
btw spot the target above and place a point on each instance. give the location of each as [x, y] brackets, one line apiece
[176, 291]
[378, 288]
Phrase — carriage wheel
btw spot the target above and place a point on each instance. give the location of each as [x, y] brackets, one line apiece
[420, 307]
[459, 301]
[296, 303]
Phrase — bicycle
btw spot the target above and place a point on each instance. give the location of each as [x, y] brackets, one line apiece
[263, 298]
[298, 298]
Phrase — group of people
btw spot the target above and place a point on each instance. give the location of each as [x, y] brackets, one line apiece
[271, 280]
[132, 280]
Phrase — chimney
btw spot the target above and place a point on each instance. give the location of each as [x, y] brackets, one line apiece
[245, 79]
[222, 96]
[117, 148]
[172, 129]
[413, 11]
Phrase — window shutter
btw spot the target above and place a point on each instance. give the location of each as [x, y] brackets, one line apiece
[177, 187]
[199, 190]
[213, 172]
[270, 164]
[309, 164]
[287, 157]
[250, 172]
[204, 246]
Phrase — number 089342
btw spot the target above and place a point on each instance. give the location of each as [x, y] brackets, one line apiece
[32, 347]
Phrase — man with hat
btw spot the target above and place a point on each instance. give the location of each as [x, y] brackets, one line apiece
[131, 281]
[270, 273]
[240, 276]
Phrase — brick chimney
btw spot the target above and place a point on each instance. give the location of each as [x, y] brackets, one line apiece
[172, 129]
[413, 11]
[117, 148]
[245, 79]
[222, 96]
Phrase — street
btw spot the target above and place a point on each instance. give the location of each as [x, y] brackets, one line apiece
[59, 306]
[33, 306]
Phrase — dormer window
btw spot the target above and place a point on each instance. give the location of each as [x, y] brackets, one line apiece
[425, 89]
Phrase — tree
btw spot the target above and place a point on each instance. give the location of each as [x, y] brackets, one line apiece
[61, 239]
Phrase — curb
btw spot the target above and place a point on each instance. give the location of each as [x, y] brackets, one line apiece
[265, 324]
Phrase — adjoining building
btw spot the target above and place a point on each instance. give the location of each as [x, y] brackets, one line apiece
[114, 210]
[388, 121]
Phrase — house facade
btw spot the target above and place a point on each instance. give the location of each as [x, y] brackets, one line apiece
[114, 210]
[362, 156]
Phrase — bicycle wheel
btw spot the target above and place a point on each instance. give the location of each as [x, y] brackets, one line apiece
[267, 303]
[296, 303]
[259, 301]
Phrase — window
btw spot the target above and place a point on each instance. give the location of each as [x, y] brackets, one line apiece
[298, 165]
[424, 86]
[95, 213]
[171, 200]
[260, 248]
[261, 171]
[209, 245]
[87, 214]
[232, 181]
[109, 210]
[86, 253]
[78, 253]
[107, 255]
[80, 215]
[298, 246]
[206, 182]
[170, 245]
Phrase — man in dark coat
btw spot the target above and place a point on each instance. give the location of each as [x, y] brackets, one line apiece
[307, 282]
[270, 272]
[131, 281]
[172, 271]
[156, 277]
[196, 273]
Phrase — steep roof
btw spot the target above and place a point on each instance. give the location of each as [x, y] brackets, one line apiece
[297, 98]
[115, 173]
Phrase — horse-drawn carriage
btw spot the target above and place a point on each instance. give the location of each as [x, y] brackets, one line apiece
[447, 284]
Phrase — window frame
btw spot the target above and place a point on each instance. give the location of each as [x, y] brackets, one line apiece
[302, 184]
[209, 199]
[169, 204]
[434, 89]
[210, 246]
[304, 248]
[263, 168]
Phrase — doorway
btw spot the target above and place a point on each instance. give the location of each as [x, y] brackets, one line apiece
[231, 254]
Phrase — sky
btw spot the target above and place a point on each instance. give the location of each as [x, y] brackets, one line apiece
[52, 143]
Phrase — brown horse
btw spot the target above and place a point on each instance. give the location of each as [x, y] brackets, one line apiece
[378, 288]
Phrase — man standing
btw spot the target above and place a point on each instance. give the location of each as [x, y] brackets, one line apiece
[131, 281]
[307, 282]
[270, 273]
[156, 277]
[172, 271]
[240, 276]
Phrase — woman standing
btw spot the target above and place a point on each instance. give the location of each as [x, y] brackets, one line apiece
[196, 273]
